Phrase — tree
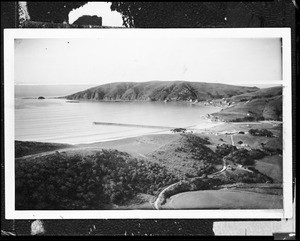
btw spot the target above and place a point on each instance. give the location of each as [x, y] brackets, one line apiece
[89, 20]
[262, 132]
[170, 14]
[56, 12]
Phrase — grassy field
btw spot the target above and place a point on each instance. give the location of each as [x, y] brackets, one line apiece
[187, 157]
[223, 199]
[271, 166]
[253, 142]
[217, 135]
[216, 139]
[141, 145]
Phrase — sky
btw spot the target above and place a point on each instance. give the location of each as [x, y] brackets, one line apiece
[98, 61]
[101, 9]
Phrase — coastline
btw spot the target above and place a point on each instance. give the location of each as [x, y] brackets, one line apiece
[200, 128]
[194, 129]
[198, 124]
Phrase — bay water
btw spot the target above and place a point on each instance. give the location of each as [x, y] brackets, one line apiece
[61, 121]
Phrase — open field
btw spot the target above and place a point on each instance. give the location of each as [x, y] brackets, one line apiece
[223, 199]
[252, 142]
[142, 145]
[271, 166]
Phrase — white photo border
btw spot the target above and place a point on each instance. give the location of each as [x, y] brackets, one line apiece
[11, 34]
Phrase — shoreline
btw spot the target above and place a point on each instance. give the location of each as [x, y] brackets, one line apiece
[190, 129]
[210, 127]
[199, 103]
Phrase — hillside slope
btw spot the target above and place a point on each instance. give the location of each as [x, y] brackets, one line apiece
[264, 104]
[160, 90]
[261, 93]
[24, 148]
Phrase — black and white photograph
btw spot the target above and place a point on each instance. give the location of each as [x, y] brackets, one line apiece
[157, 123]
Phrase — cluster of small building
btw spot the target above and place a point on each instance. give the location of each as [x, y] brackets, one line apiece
[219, 102]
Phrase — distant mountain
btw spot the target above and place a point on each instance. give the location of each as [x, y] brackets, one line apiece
[263, 104]
[160, 90]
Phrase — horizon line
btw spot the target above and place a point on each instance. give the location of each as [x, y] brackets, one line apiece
[277, 83]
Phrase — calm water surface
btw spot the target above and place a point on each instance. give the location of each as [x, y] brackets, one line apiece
[56, 120]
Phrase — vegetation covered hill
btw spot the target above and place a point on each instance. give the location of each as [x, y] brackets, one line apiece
[95, 178]
[24, 148]
[261, 93]
[188, 157]
[161, 90]
[241, 103]
[89, 181]
[264, 104]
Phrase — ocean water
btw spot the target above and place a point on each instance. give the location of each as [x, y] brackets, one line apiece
[57, 120]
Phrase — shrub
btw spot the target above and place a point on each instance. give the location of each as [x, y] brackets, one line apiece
[224, 149]
[257, 154]
[241, 156]
[260, 132]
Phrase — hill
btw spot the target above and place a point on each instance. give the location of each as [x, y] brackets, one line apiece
[263, 104]
[187, 156]
[24, 148]
[261, 93]
[89, 177]
[160, 90]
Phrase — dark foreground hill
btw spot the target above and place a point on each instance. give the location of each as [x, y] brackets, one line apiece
[161, 90]
[24, 148]
[264, 104]
[91, 178]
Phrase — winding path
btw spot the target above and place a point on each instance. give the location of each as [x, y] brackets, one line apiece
[156, 203]
[160, 196]
[232, 142]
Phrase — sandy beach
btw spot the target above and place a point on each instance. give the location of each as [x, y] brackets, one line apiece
[145, 144]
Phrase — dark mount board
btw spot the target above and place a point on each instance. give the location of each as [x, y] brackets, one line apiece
[135, 227]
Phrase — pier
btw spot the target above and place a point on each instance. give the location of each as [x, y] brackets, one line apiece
[134, 125]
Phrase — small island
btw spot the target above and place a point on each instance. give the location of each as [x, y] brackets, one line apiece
[41, 98]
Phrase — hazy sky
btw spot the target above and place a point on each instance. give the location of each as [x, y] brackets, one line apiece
[104, 60]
